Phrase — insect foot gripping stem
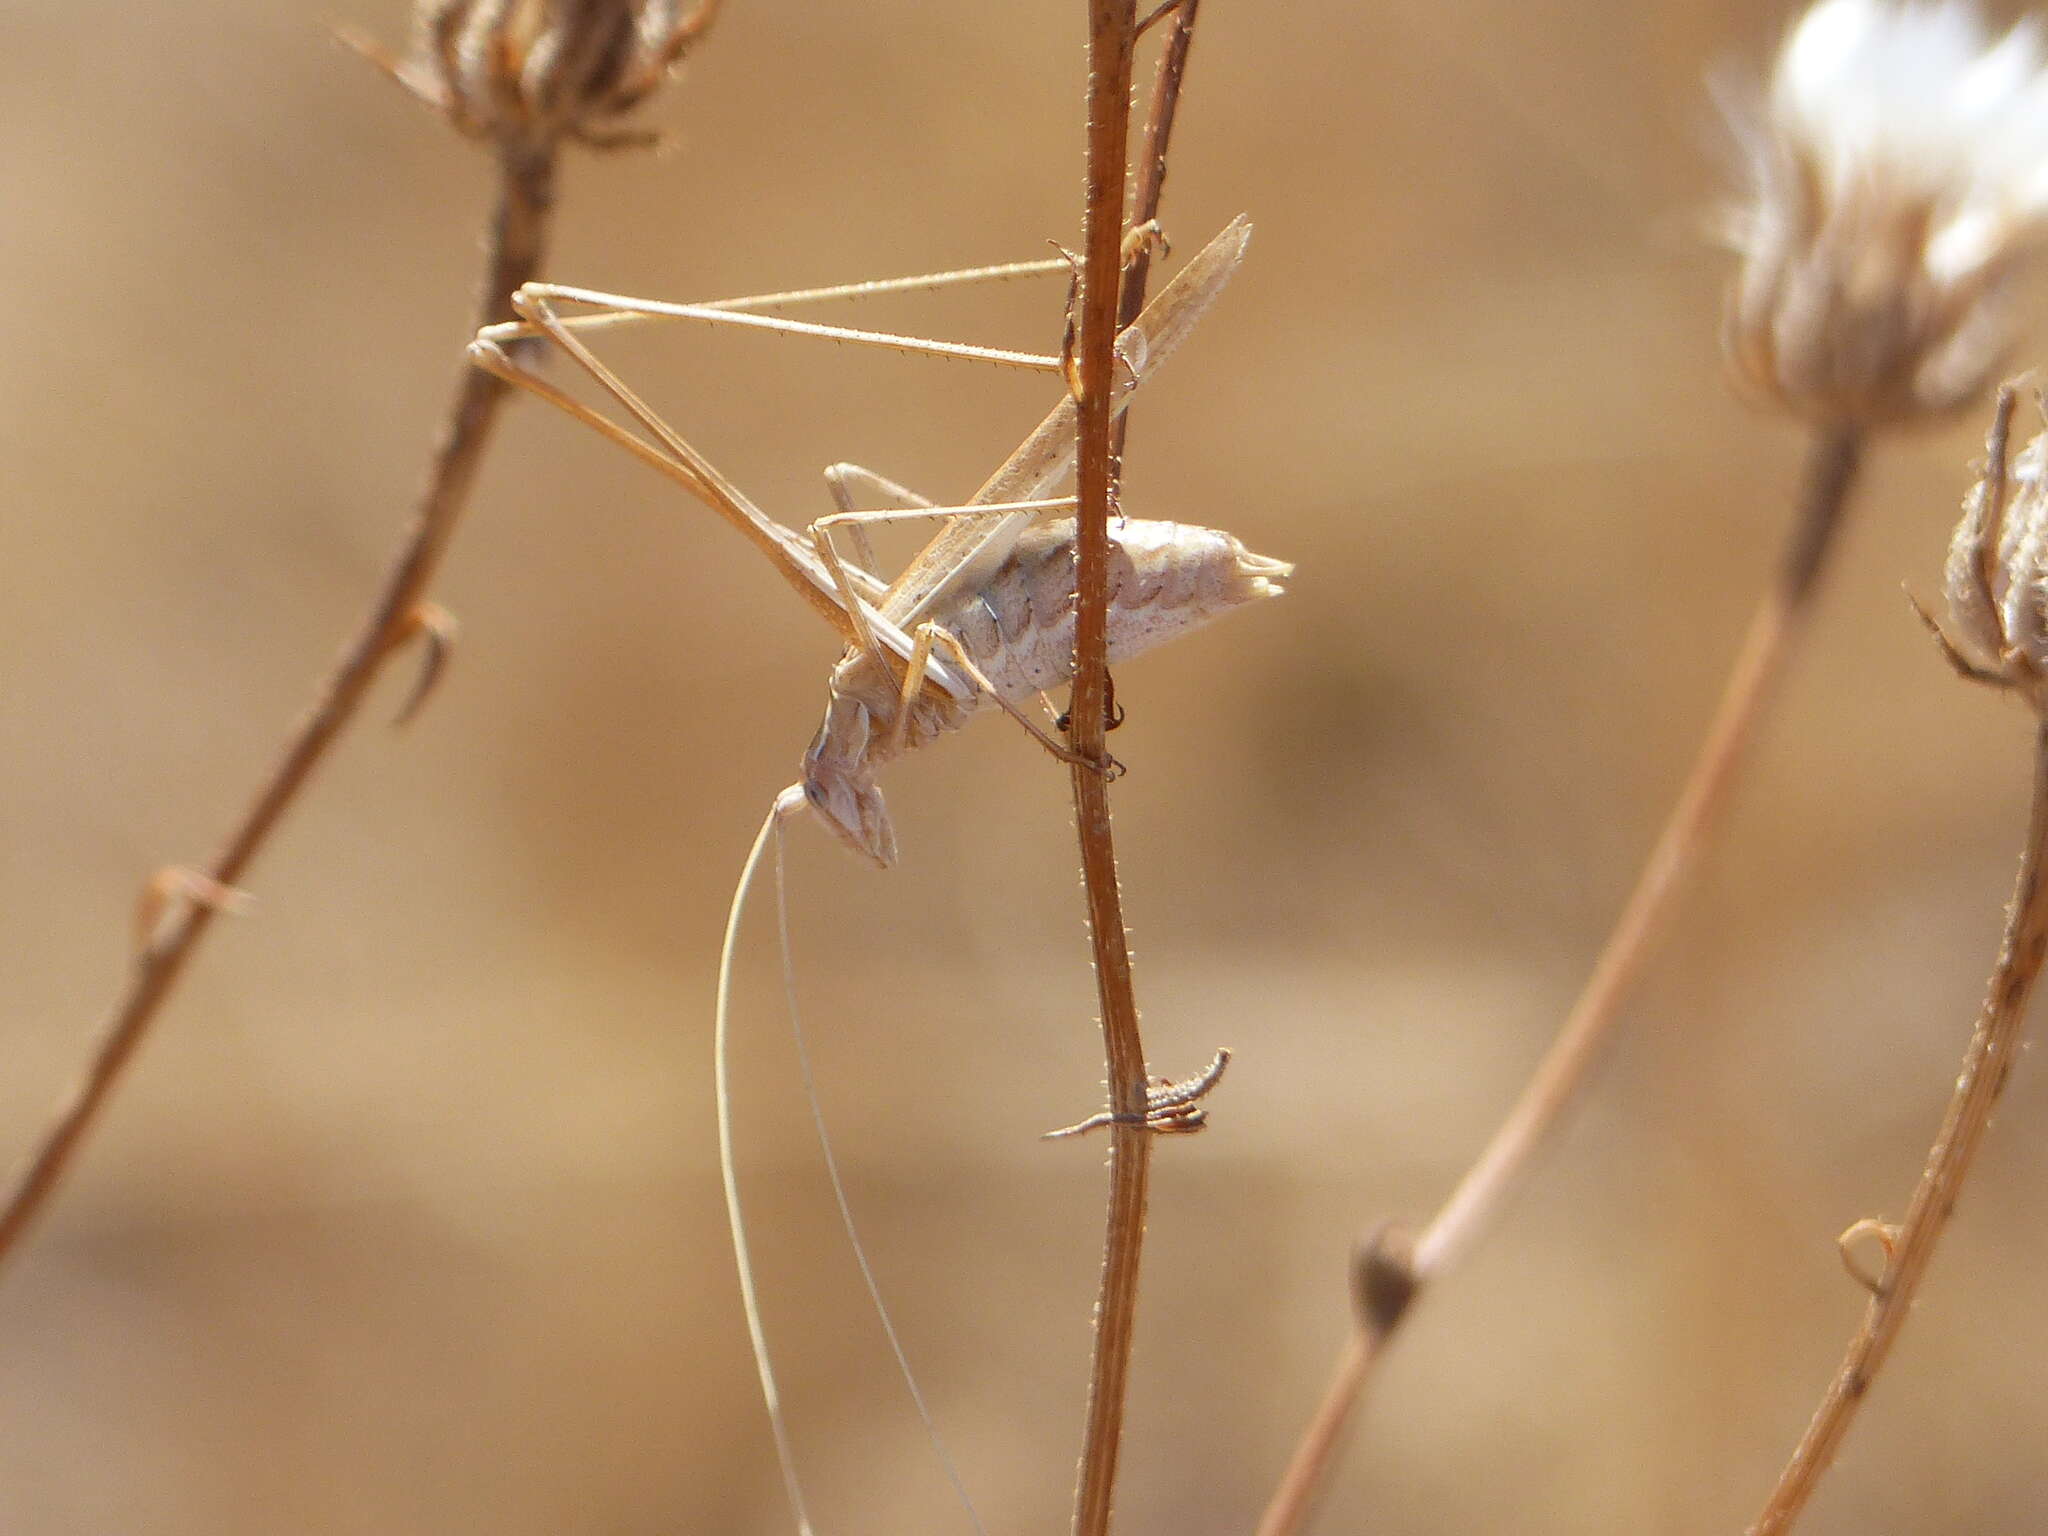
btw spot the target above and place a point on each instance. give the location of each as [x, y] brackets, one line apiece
[1171, 1108]
[840, 785]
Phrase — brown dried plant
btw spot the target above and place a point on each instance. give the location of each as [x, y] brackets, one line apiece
[545, 71]
[525, 78]
[1997, 586]
[1895, 197]
[1875, 291]
[528, 77]
[1107, 296]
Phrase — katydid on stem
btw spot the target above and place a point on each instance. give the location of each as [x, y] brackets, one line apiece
[981, 617]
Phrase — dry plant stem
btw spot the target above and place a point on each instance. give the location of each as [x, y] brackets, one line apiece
[1316, 1452]
[513, 250]
[1111, 37]
[1481, 1194]
[1829, 474]
[1994, 1047]
[1100, 458]
[1104, 311]
[1159, 116]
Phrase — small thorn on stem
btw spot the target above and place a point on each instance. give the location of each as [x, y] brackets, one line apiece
[1886, 1234]
[181, 882]
[1171, 1108]
[435, 627]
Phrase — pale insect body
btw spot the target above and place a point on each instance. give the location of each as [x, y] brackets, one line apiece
[1018, 630]
[982, 617]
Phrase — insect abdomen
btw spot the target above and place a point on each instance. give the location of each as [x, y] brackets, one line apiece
[1165, 579]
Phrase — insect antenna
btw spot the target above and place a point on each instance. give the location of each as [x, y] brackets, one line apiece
[728, 1169]
[860, 1252]
[787, 805]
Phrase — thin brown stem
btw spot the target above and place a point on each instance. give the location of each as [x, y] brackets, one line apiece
[1994, 1047]
[514, 243]
[1111, 36]
[1774, 633]
[1151, 187]
[1131, 1143]
[1302, 1483]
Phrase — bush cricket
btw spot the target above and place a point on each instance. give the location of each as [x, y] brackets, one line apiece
[981, 617]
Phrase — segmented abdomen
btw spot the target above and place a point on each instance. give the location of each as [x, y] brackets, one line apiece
[1164, 580]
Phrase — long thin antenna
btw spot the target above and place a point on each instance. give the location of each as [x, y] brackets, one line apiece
[735, 1221]
[860, 1253]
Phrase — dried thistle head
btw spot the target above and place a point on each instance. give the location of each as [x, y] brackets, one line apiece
[1997, 576]
[1899, 181]
[535, 72]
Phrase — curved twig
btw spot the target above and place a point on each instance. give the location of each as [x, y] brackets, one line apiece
[1830, 473]
[514, 242]
[1994, 1047]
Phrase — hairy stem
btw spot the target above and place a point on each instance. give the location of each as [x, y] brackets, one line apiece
[1395, 1268]
[513, 246]
[1111, 35]
[1994, 1047]
[1151, 187]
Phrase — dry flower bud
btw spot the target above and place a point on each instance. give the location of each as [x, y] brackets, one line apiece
[534, 72]
[1997, 577]
[1899, 181]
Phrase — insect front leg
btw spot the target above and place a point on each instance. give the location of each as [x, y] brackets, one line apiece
[933, 636]
[844, 575]
[929, 638]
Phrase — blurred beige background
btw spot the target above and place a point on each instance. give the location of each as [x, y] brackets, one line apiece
[408, 1220]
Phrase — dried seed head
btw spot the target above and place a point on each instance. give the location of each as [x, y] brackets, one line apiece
[534, 72]
[1997, 577]
[1899, 181]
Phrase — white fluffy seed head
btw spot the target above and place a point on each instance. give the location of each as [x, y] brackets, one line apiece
[1898, 167]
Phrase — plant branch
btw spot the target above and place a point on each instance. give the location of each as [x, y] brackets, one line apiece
[1131, 1145]
[1111, 36]
[1395, 1268]
[514, 243]
[1481, 1194]
[1159, 118]
[1994, 1048]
